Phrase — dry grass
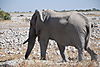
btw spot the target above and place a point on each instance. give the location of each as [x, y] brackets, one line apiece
[5, 21]
[36, 63]
[93, 15]
[10, 57]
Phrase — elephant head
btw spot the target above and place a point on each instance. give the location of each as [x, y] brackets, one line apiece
[37, 17]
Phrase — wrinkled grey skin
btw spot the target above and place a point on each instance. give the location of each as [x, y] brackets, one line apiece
[66, 28]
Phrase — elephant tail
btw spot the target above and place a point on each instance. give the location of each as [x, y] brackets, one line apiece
[87, 38]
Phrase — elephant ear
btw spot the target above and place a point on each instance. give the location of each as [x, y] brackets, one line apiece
[42, 15]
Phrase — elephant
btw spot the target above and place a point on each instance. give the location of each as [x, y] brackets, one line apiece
[66, 28]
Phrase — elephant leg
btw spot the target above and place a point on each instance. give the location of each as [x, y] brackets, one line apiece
[43, 47]
[29, 49]
[80, 48]
[92, 54]
[80, 54]
[62, 49]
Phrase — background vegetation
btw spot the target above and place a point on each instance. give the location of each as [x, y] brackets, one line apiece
[4, 15]
[81, 10]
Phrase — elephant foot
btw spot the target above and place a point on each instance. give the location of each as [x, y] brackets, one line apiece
[43, 58]
[78, 59]
[94, 57]
[62, 61]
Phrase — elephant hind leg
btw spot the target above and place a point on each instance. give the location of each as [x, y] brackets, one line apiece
[80, 54]
[92, 53]
[62, 49]
[80, 48]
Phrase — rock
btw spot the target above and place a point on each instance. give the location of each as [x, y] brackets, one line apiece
[93, 64]
[58, 52]
[11, 52]
[2, 55]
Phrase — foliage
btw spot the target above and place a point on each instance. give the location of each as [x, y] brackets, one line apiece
[4, 15]
[81, 10]
[93, 9]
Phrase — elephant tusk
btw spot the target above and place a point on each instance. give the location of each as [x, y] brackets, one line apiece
[26, 41]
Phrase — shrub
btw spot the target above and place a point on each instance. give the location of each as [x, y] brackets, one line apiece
[4, 15]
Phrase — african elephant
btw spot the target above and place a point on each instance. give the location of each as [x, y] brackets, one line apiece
[66, 28]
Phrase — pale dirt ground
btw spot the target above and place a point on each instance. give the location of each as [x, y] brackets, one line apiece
[14, 32]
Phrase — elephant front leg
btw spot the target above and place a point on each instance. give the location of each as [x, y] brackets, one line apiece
[43, 48]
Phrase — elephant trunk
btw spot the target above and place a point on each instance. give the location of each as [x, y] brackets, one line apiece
[31, 41]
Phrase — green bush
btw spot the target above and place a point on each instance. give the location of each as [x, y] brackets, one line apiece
[4, 15]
